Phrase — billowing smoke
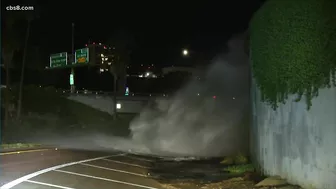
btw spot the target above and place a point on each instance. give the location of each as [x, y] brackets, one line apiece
[205, 118]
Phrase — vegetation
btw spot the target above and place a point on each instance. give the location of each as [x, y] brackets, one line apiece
[18, 145]
[10, 45]
[240, 169]
[239, 159]
[46, 111]
[293, 45]
[28, 18]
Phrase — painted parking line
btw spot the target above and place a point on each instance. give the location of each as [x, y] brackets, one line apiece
[26, 151]
[115, 170]
[105, 179]
[124, 163]
[46, 184]
[29, 176]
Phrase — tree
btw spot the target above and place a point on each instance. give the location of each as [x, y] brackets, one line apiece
[123, 43]
[10, 45]
[114, 70]
[29, 18]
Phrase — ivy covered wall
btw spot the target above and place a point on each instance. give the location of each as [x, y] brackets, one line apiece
[293, 45]
[293, 59]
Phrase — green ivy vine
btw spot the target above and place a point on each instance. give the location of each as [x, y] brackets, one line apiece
[293, 49]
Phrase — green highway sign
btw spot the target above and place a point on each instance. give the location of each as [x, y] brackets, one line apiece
[58, 60]
[82, 56]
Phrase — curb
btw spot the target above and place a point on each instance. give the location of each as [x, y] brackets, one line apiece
[18, 150]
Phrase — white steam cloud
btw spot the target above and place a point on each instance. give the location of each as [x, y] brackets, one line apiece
[189, 124]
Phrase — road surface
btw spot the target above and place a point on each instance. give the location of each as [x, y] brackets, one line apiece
[70, 169]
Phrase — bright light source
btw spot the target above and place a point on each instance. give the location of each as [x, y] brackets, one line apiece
[106, 58]
[147, 74]
[214, 97]
[233, 98]
[198, 94]
[102, 55]
[140, 75]
[118, 106]
[185, 52]
[109, 63]
[99, 43]
[101, 70]
[106, 69]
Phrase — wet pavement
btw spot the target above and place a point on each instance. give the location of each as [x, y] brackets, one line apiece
[71, 169]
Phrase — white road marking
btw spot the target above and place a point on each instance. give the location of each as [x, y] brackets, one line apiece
[105, 179]
[29, 176]
[124, 163]
[115, 170]
[46, 184]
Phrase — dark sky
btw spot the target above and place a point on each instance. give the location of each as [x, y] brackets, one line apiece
[161, 29]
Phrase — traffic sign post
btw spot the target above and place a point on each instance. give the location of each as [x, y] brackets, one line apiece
[58, 60]
[127, 91]
[72, 79]
[82, 56]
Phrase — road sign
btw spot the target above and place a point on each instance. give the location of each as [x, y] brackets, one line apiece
[82, 56]
[58, 60]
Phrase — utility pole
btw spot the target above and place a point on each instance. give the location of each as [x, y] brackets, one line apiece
[73, 58]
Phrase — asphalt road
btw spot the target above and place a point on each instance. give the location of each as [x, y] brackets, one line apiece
[69, 169]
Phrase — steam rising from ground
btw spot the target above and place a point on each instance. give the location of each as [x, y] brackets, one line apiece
[189, 124]
[192, 125]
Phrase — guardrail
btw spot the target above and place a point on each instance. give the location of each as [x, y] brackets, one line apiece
[87, 92]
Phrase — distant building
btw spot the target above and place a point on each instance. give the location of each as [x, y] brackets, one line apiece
[102, 55]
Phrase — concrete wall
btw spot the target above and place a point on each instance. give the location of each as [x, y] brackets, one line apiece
[105, 103]
[294, 143]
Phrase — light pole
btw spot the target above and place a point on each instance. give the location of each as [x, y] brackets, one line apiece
[72, 87]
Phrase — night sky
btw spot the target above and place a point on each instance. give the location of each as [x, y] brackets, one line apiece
[161, 29]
